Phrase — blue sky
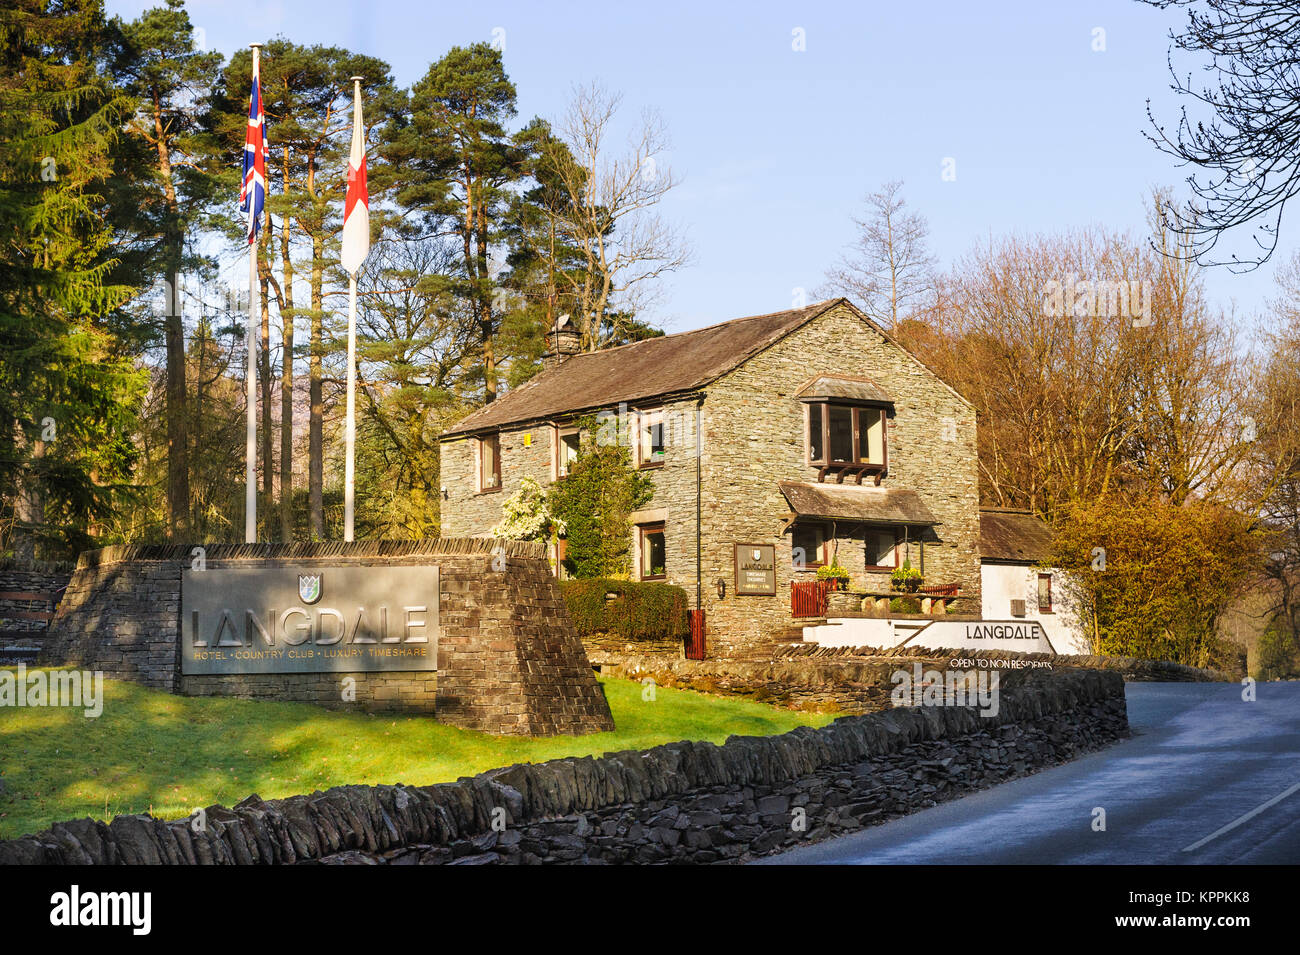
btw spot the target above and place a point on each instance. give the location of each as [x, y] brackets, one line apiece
[777, 147]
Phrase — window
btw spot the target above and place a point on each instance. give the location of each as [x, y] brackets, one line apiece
[840, 442]
[1044, 593]
[489, 463]
[806, 542]
[567, 443]
[882, 548]
[652, 552]
[846, 436]
[816, 447]
[650, 439]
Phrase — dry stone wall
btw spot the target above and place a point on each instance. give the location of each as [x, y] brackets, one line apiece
[688, 802]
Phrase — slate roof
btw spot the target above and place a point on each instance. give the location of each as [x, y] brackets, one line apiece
[852, 389]
[870, 505]
[1014, 537]
[638, 372]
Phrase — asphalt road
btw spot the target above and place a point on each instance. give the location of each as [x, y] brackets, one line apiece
[1205, 778]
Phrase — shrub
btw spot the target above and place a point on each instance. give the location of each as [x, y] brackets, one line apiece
[641, 610]
[1277, 655]
[593, 502]
[1149, 579]
[904, 605]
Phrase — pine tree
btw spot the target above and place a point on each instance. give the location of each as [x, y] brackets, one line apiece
[156, 61]
[459, 167]
[68, 388]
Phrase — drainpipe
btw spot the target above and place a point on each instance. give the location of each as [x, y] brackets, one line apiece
[699, 564]
[697, 650]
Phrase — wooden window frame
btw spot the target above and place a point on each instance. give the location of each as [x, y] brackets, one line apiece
[881, 529]
[641, 460]
[823, 533]
[856, 467]
[479, 442]
[1038, 598]
[558, 435]
[642, 531]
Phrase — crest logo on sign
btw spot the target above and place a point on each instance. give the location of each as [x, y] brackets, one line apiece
[309, 588]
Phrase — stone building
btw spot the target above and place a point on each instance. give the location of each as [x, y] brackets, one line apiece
[776, 443]
[1017, 582]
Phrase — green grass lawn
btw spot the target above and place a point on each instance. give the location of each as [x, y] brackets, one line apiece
[153, 752]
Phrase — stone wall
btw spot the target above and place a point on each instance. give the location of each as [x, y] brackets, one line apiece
[509, 660]
[1133, 669]
[752, 436]
[689, 802]
[854, 680]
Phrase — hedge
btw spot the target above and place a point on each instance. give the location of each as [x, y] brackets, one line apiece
[641, 610]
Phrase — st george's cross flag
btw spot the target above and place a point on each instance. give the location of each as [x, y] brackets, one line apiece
[356, 206]
[252, 194]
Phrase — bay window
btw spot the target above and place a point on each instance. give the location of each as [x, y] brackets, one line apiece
[845, 438]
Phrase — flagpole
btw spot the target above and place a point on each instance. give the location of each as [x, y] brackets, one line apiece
[350, 429]
[250, 449]
[350, 426]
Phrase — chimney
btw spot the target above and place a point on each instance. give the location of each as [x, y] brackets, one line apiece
[562, 342]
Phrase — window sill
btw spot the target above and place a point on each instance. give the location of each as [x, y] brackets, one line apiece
[649, 466]
[488, 490]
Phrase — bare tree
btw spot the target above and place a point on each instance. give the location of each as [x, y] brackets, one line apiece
[1097, 369]
[1246, 153]
[889, 272]
[607, 210]
[1273, 401]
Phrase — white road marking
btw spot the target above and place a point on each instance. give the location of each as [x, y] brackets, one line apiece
[1241, 819]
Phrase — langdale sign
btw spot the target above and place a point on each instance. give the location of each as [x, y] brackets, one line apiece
[309, 619]
[1019, 635]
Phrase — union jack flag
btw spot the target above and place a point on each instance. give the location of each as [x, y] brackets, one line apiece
[252, 193]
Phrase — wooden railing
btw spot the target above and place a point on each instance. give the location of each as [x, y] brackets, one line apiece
[941, 590]
[809, 599]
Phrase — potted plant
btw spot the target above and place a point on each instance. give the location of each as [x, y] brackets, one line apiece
[906, 577]
[834, 572]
